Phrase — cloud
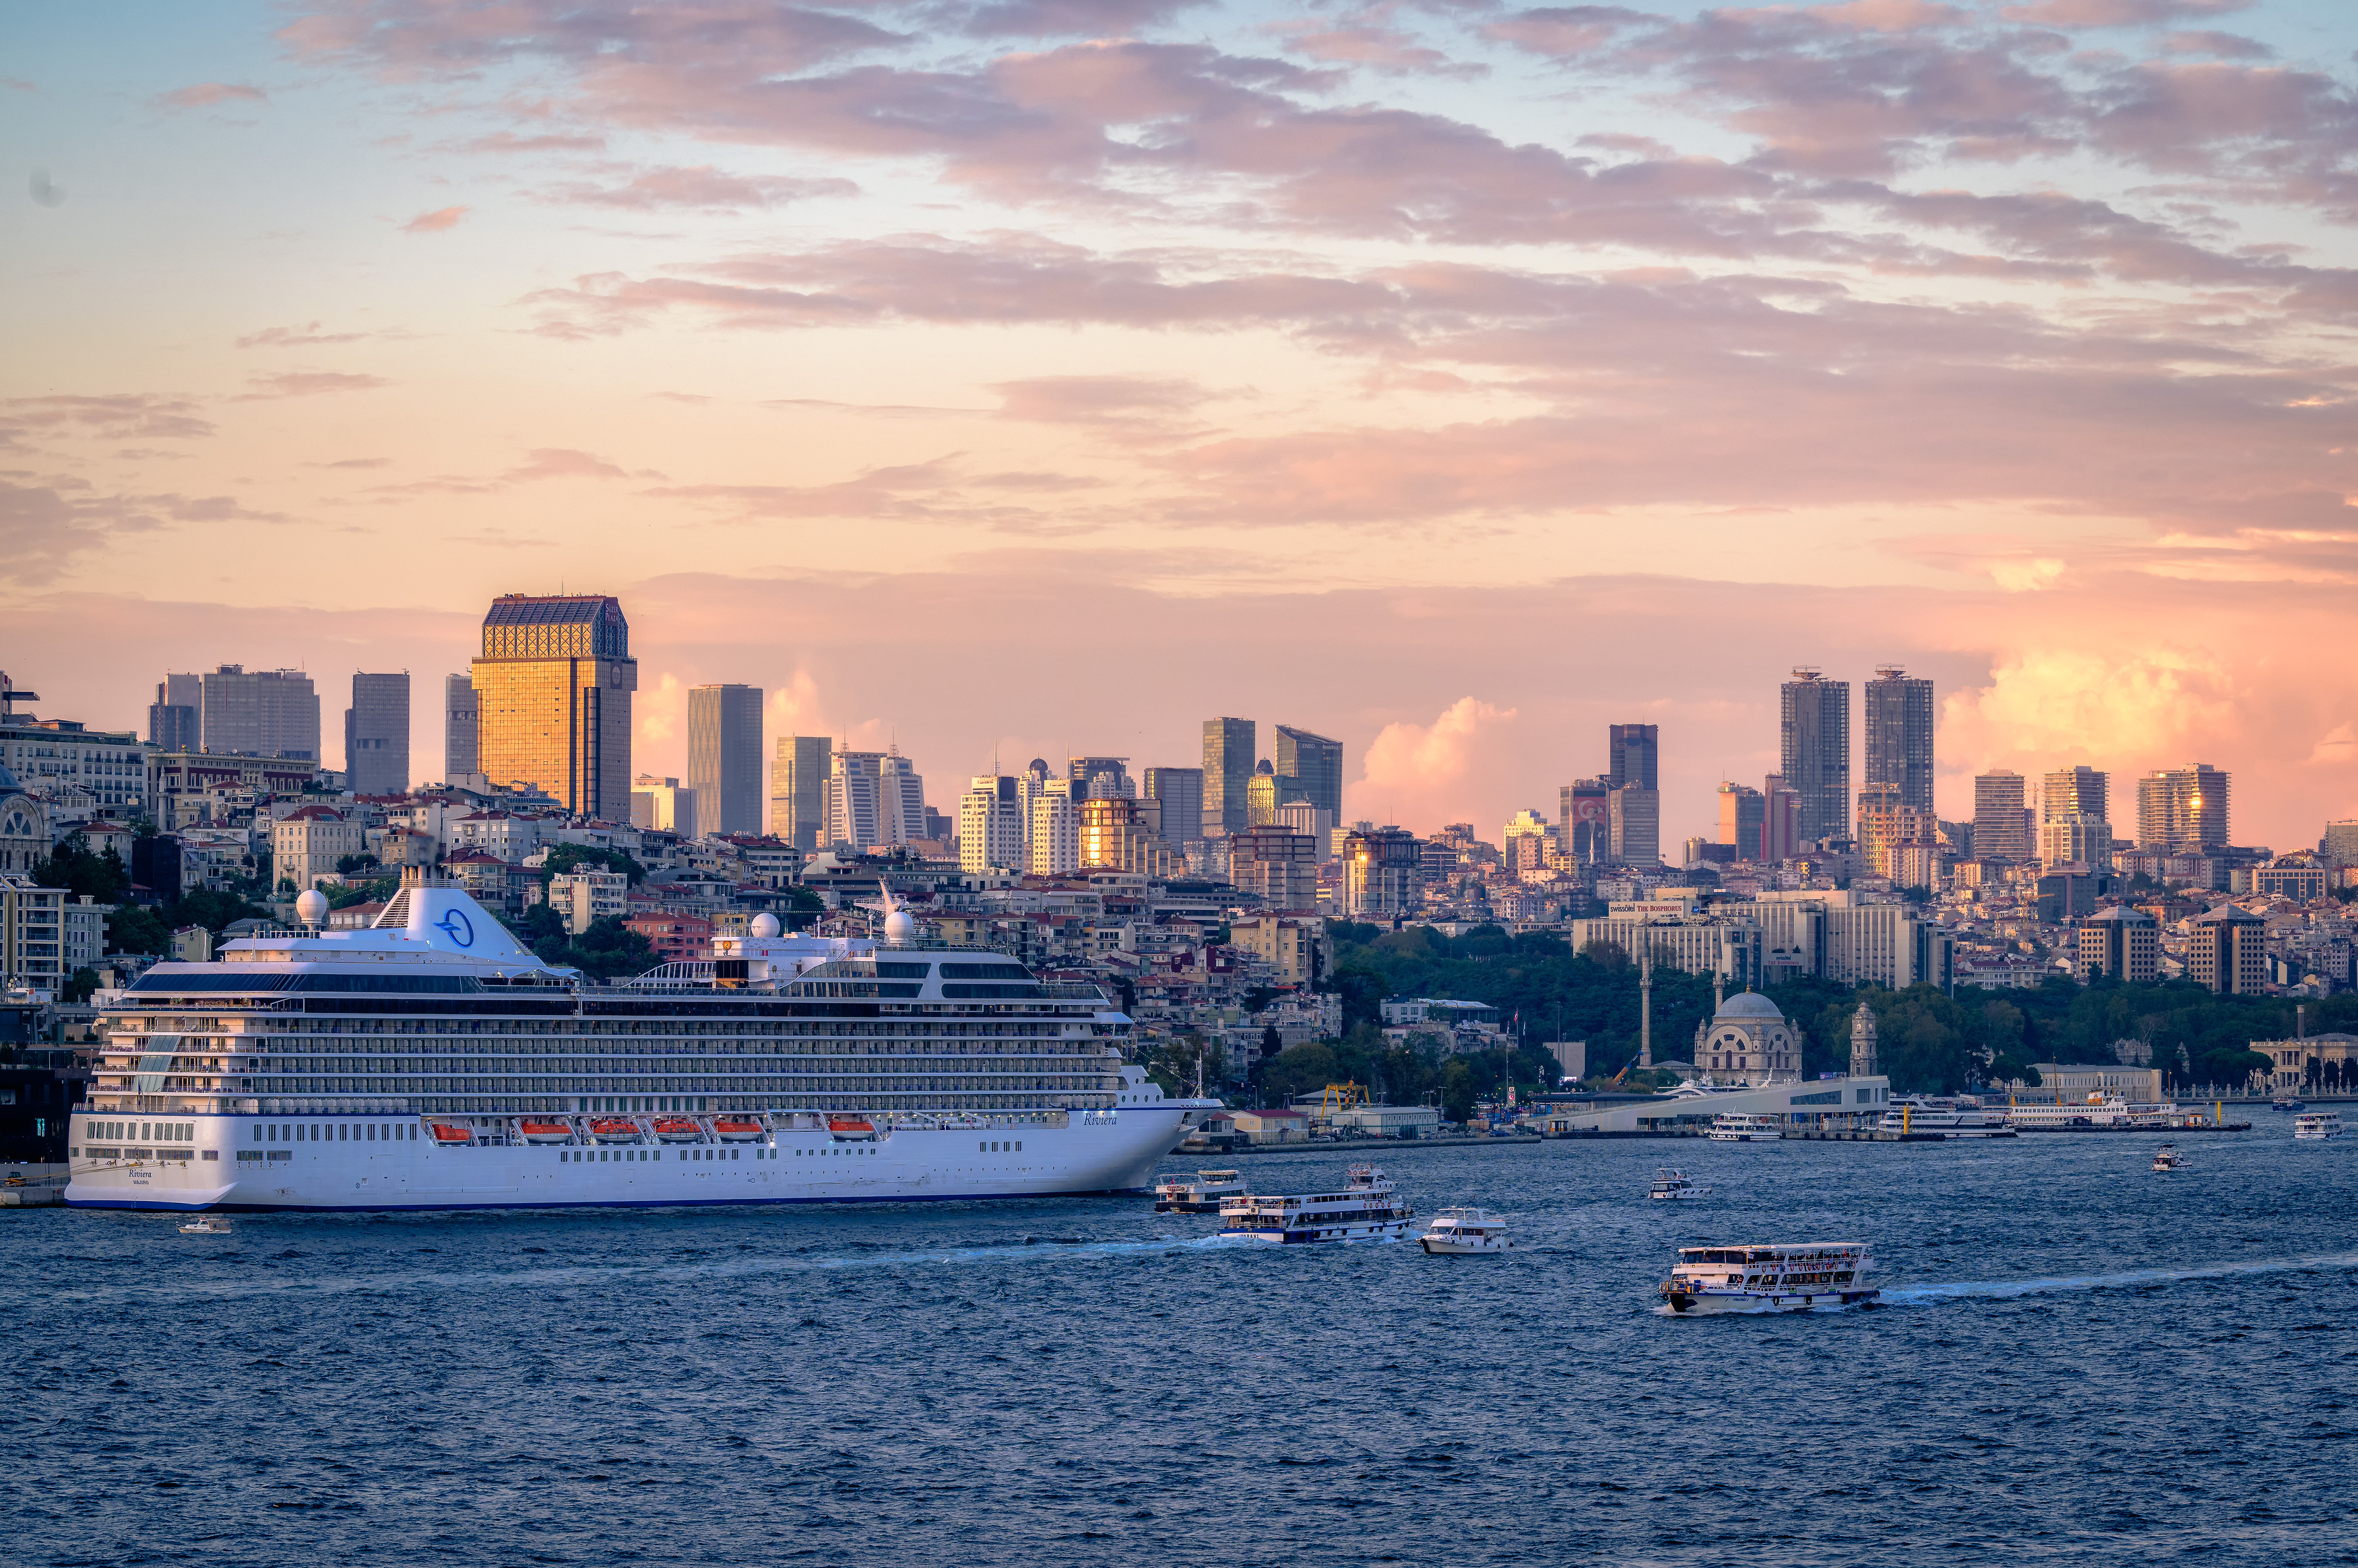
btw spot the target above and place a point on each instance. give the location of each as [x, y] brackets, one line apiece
[2136, 709]
[562, 462]
[2115, 13]
[2336, 748]
[1103, 400]
[308, 383]
[114, 417]
[305, 336]
[1414, 770]
[436, 221]
[205, 94]
[45, 527]
[703, 188]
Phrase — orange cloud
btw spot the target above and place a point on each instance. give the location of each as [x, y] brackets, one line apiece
[434, 223]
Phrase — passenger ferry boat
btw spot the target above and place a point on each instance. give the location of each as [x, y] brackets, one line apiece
[2096, 1113]
[429, 1062]
[1807, 1276]
[1177, 1195]
[1914, 1116]
[1366, 1210]
[1730, 1129]
[1466, 1230]
[2314, 1124]
[1669, 1183]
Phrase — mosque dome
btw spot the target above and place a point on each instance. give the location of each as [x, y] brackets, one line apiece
[1748, 1004]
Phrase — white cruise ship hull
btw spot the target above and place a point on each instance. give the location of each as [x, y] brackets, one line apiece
[1104, 1152]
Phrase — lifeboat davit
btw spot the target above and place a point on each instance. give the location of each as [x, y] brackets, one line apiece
[736, 1130]
[446, 1133]
[851, 1126]
[547, 1131]
[677, 1130]
[614, 1129]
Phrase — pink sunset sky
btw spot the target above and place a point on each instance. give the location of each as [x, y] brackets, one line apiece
[1044, 377]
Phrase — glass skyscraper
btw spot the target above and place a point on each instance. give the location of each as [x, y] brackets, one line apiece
[553, 699]
[724, 757]
[1317, 763]
[1813, 733]
[1899, 717]
[1228, 775]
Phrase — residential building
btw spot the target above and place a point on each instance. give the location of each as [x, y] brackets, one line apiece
[553, 686]
[798, 790]
[2076, 839]
[77, 770]
[2338, 844]
[1999, 830]
[678, 939]
[1295, 947]
[991, 825]
[1277, 864]
[900, 800]
[2121, 944]
[1100, 778]
[1897, 711]
[587, 894]
[46, 933]
[1383, 875]
[1813, 740]
[1781, 821]
[2182, 811]
[1115, 837]
[1635, 817]
[173, 719]
[1056, 848]
[1726, 946]
[724, 756]
[376, 735]
[1315, 764]
[1228, 775]
[1584, 819]
[667, 806]
[855, 817]
[308, 841]
[2080, 790]
[1181, 791]
[2228, 954]
[260, 713]
[1740, 819]
[461, 756]
[1633, 755]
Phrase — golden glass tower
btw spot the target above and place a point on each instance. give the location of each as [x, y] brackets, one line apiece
[553, 694]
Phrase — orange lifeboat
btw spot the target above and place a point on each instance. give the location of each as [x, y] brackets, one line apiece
[546, 1131]
[736, 1130]
[677, 1130]
[614, 1129]
[851, 1126]
[446, 1133]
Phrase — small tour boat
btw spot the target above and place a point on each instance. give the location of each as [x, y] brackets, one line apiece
[615, 1130]
[207, 1225]
[2167, 1158]
[736, 1130]
[1466, 1230]
[546, 1131]
[1669, 1183]
[677, 1130]
[1727, 1128]
[2314, 1124]
[446, 1133]
[851, 1126]
[1177, 1195]
[1365, 1210]
[1805, 1276]
[2289, 1103]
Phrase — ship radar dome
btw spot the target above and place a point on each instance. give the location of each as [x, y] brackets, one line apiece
[899, 928]
[764, 925]
[311, 906]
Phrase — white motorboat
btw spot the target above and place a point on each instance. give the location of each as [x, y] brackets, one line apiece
[1670, 1184]
[2167, 1158]
[206, 1225]
[1465, 1230]
[1177, 1195]
[2314, 1124]
[1804, 1276]
[1365, 1210]
[1730, 1129]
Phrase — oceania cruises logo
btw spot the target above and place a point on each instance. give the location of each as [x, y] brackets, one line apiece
[455, 925]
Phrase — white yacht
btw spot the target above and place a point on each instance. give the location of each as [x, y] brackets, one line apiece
[1365, 1210]
[2314, 1124]
[2167, 1158]
[1914, 1116]
[1806, 1276]
[1727, 1128]
[1466, 1230]
[1177, 1195]
[1669, 1183]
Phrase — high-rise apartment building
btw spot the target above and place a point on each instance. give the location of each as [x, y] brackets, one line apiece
[1316, 763]
[2076, 839]
[799, 777]
[552, 693]
[1781, 821]
[2338, 845]
[2068, 792]
[260, 713]
[1276, 863]
[1383, 875]
[460, 758]
[1181, 791]
[1999, 830]
[901, 799]
[1886, 822]
[1635, 817]
[1584, 819]
[1100, 778]
[1055, 847]
[173, 719]
[1114, 836]
[2229, 953]
[1813, 737]
[1898, 713]
[724, 757]
[1740, 816]
[991, 825]
[1633, 755]
[2182, 811]
[2121, 944]
[376, 735]
[1228, 776]
[855, 819]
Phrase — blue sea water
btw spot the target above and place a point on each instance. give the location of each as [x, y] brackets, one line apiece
[2082, 1362]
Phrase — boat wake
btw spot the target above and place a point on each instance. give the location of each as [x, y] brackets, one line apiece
[1925, 1295]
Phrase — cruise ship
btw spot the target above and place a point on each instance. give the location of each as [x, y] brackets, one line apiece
[431, 1062]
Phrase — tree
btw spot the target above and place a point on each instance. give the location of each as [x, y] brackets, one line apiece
[1299, 1070]
[348, 864]
[1458, 1089]
[78, 986]
[570, 857]
[73, 867]
[134, 928]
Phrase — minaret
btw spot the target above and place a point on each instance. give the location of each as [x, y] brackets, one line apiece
[1862, 1042]
[1646, 1006]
